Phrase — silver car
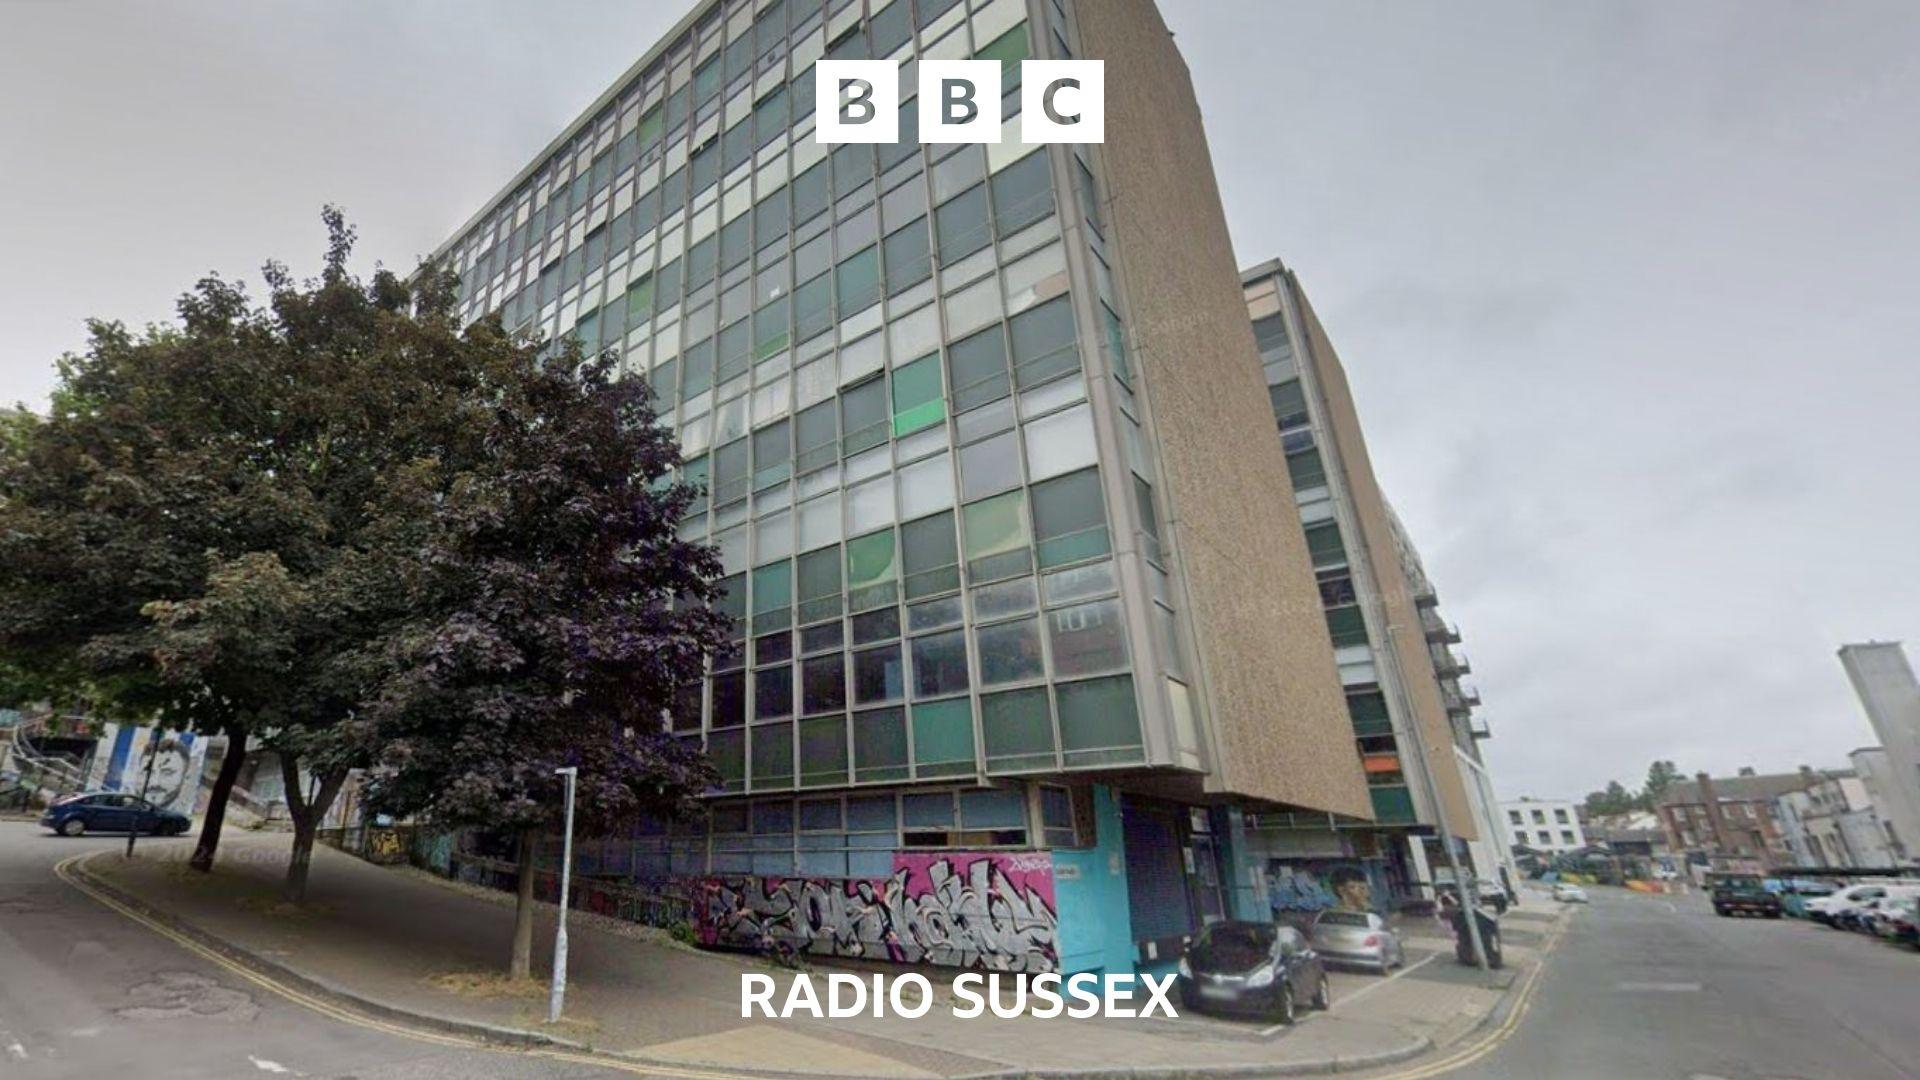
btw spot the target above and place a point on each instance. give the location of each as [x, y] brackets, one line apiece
[1358, 938]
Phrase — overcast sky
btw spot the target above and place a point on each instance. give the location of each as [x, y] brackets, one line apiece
[1627, 291]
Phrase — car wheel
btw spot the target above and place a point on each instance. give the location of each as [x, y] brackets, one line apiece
[178, 828]
[1322, 994]
[1284, 1008]
[73, 826]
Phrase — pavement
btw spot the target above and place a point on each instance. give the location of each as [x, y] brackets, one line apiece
[402, 948]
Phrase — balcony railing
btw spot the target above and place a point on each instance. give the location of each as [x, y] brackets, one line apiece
[1438, 629]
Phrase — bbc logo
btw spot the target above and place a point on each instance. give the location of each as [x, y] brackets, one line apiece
[1061, 101]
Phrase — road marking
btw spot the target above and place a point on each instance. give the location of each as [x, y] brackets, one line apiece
[1470, 1054]
[267, 1066]
[64, 871]
[1360, 993]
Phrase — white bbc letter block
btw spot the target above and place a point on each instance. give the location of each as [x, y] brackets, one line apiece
[856, 101]
[959, 101]
[1063, 101]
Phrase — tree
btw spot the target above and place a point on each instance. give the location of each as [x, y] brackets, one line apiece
[556, 611]
[216, 522]
[1660, 776]
[1616, 799]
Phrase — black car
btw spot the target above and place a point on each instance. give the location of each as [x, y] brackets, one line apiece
[112, 811]
[1254, 968]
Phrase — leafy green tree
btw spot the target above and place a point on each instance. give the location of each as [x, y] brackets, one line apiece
[1660, 776]
[1616, 799]
[216, 521]
[555, 612]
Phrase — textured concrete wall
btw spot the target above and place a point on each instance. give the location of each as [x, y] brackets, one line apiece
[1272, 695]
[1370, 508]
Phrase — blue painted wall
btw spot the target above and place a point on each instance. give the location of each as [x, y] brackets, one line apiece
[1091, 895]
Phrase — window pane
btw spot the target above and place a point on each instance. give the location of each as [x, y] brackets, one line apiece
[813, 307]
[962, 225]
[1069, 523]
[870, 570]
[877, 675]
[823, 684]
[930, 556]
[1043, 342]
[943, 738]
[773, 693]
[926, 486]
[1018, 729]
[879, 752]
[909, 258]
[773, 757]
[1009, 652]
[990, 465]
[940, 664]
[996, 537]
[728, 752]
[978, 369]
[1098, 722]
[819, 574]
[1022, 194]
[772, 455]
[863, 416]
[858, 281]
[810, 194]
[1087, 639]
[1061, 443]
[917, 402]
[817, 432]
[730, 699]
[823, 755]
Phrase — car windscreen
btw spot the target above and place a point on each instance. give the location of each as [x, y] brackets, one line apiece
[1233, 946]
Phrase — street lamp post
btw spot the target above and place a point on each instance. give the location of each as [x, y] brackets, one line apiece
[1469, 915]
[559, 995]
[153, 754]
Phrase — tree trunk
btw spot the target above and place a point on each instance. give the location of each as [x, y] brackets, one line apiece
[306, 821]
[521, 966]
[209, 841]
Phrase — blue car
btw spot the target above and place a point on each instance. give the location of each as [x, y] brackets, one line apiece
[111, 811]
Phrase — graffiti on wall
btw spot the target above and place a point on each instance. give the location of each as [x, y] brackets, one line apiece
[1310, 885]
[163, 765]
[990, 910]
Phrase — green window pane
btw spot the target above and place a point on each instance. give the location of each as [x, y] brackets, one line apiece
[1346, 626]
[819, 573]
[1117, 345]
[909, 257]
[772, 456]
[773, 757]
[1324, 544]
[916, 395]
[1018, 729]
[728, 752]
[587, 330]
[880, 745]
[1368, 711]
[652, 126]
[1043, 342]
[1022, 194]
[823, 751]
[735, 352]
[772, 586]
[813, 307]
[1391, 804]
[858, 281]
[1098, 721]
[995, 536]
[770, 329]
[930, 557]
[943, 738]
[871, 570]
[1069, 522]
[817, 432]
[1306, 470]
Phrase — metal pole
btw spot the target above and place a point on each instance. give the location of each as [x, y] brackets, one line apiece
[1469, 914]
[559, 996]
[153, 754]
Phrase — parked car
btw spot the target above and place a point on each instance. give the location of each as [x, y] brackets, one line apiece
[1342, 936]
[1253, 968]
[1900, 921]
[1794, 899]
[1569, 893]
[1743, 894]
[111, 811]
[1866, 917]
[1828, 909]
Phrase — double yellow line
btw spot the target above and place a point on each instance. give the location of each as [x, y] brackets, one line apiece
[64, 870]
[1491, 1041]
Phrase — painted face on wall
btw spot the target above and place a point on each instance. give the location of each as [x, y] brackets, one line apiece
[1351, 890]
[170, 767]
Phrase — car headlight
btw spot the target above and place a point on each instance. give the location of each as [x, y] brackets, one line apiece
[1186, 969]
[1262, 976]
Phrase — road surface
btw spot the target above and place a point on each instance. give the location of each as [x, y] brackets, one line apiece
[1655, 987]
[86, 993]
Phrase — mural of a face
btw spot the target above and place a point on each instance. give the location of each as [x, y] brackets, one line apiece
[171, 764]
[1351, 889]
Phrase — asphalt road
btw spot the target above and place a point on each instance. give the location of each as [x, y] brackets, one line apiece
[85, 993]
[1660, 987]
